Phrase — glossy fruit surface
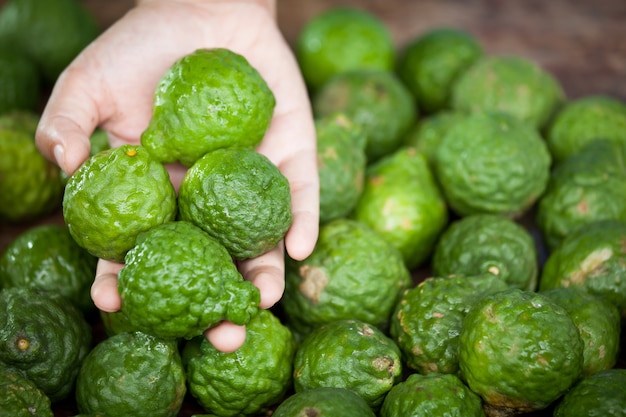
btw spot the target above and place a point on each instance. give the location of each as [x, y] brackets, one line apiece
[603, 393]
[21, 397]
[324, 401]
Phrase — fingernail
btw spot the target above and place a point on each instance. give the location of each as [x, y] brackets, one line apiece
[59, 154]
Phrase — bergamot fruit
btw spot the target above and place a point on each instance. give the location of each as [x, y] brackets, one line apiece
[19, 81]
[600, 394]
[240, 198]
[178, 281]
[208, 99]
[20, 396]
[115, 195]
[324, 401]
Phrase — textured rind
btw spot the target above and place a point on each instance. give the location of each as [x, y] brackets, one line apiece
[178, 281]
[583, 120]
[132, 374]
[592, 257]
[482, 243]
[431, 395]
[600, 394]
[430, 64]
[376, 101]
[240, 198]
[249, 380]
[402, 202]
[519, 350]
[324, 401]
[57, 334]
[427, 133]
[21, 397]
[46, 257]
[490, 162]
[348, 354]
[115, 195]
[353, 273]
[510, 84]
[428, 319]
[208, 99]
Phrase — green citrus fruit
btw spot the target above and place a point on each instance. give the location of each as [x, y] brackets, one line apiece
[115, 195]
[600, 394]
[114, 322]
[591, 257]
[51, 33]
[45, 337]
[432, 395]
[99, 141]
[196, 111]
[586, 186]
[430, 64]
[519, 351]
[488, 243]
[492, 163]
[178, 281]
[31, 185]
[353, 273]
[341, 165]
[598, 322]
[239, 197]
[46, 257]
[403, 203]
[324, 401]
[585, 119]
[21, 397]
[249, 380]
[132, 374]
[429, 317]
[348, 354]
[20, 83]
[508, 84]
[376, 101]
[342, 39]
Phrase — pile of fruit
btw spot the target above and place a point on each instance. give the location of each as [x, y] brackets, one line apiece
[471, 259]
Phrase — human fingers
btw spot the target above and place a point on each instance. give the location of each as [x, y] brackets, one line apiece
[267, 273]
[104, 291]
[226, 336]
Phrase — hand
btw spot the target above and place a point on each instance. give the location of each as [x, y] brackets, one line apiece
[111, 85]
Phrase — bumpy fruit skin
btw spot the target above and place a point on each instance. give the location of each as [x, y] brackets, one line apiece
[178, 281]
[132, 374]
[249, 380]
[587, 186]
[488, 243]
[432, 395]
[20, 396]
[592, 257]
[239, 197]
[208, 99]
[376, 101]
[343, 39]
[519, 351]
[45, 337]
[48, 258]
[430, 64]
[352, 273]
[348, 354]
[341, 165]
[491, 162]
[583, 120]
[428, 132]
[324, 401]
[598, 322]
[402, 202]
[600, 394]
[115, 195]
[508, 84]
[20, 82]
[428, 319]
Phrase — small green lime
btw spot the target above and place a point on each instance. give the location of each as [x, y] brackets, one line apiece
[239, 197]
[342, 39]
[376, 101]
[48, 258]
[249, 380]
[115, 195]
[208, 99]
[324, 401]
[600, 394]
[430, 64]
[21, 397]
[178, 281]
[132, 374]
[19, 81]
